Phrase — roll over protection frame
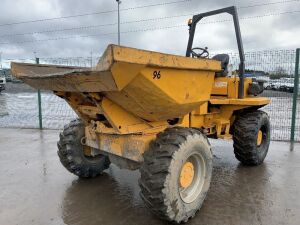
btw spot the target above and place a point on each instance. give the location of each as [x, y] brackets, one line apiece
[232, 11]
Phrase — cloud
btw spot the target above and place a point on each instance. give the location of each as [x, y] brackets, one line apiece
[273, 32]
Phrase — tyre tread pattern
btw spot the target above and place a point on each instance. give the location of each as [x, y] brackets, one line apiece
[69, 147]
[246, 127]
[155, 171]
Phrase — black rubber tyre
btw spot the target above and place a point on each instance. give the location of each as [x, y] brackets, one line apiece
[245, 135]
[160, 172]
[71, 155]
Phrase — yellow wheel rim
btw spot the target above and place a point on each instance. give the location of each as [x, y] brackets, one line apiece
[259, 138]
[187, 175]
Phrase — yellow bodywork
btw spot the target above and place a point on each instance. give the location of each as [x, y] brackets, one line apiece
[131, 95]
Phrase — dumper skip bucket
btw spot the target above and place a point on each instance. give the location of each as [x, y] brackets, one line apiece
[150, 85]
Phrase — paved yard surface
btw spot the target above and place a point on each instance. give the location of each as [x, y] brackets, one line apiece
[37, 190]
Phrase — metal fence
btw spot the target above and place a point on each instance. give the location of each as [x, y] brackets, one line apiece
[19, 104]
[277, 69]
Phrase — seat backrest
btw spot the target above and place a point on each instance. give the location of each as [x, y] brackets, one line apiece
[224, 59]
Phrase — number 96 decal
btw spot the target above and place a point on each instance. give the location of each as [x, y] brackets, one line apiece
[156, 74]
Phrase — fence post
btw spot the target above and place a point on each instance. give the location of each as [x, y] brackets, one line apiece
[37, 60]
[295, 97]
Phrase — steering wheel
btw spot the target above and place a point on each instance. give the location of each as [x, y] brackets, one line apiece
[203, 54]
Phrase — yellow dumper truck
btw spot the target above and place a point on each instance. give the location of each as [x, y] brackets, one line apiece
[154, 112]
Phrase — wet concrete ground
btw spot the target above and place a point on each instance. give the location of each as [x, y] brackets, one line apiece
[37, 190]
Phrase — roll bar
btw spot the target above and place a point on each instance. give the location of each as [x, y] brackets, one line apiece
[232, 11]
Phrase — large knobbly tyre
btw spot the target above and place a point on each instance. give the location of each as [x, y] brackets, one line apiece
[176, 173]
[71, 154]
[251, 137]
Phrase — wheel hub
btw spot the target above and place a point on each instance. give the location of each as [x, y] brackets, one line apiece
[187, 175]
[259, 138]
[192, 177]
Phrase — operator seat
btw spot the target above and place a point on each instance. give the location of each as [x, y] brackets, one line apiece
[224, 59]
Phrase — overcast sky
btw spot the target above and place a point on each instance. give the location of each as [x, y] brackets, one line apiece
[268, 32]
